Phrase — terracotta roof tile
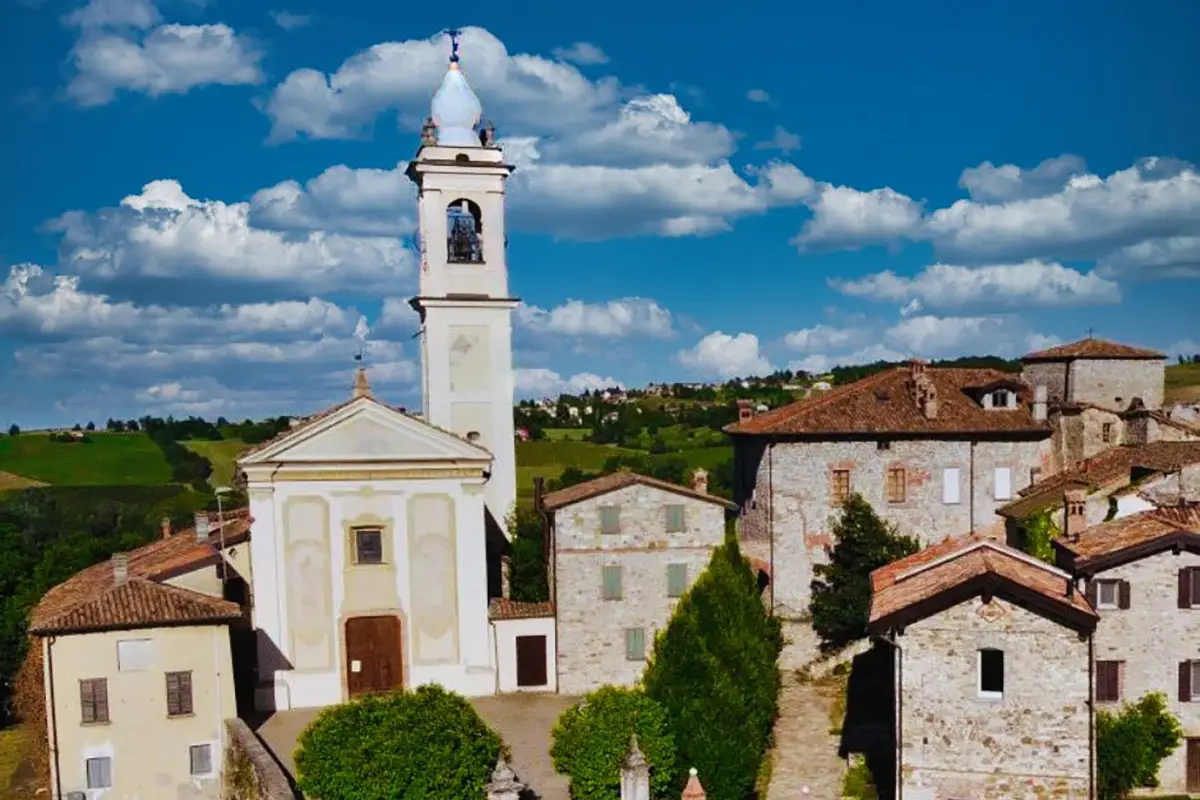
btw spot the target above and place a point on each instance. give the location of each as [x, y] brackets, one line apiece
[1113, 464]
[1135, 530]
[157, 561]
[137, 603]
[1092, 348]
[503, 608]
[885, 403]
[911, 582]
[620, 480]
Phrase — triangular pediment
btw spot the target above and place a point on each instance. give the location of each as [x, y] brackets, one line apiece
[366, 431]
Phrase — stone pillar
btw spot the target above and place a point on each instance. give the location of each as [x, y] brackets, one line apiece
[635, 774]
[693, 790]
[504, 784]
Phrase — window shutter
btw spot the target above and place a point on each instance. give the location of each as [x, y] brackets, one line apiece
[185, 693]
[1185, 587]
[1003, 483]
[635, 644]
[1090, 591]
[676, 579]
[1123, 594]
[950, 485]
[100, 695]
[612, 582]
[1185, 681]
[172, 694]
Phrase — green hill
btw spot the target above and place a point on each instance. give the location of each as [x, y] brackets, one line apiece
[106, 459]
[221, 453]
[1183, 383]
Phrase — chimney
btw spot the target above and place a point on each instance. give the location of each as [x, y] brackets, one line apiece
[166, 527]
[745, 410]
[916, 369]
[1039, 403]
[635, 774]
[202, 529]
[120, 562]
[700, 480]
[1075, 518]
[693, 790]
[1189, 483]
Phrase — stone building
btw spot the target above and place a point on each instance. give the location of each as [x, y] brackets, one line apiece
[139, 671]
[1142, 574]
[991, 673]
[623, 547]
[934, 450]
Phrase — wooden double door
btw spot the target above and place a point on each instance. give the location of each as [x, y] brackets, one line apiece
[374, 655]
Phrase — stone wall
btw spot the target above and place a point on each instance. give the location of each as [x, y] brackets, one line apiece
[591, 630]
[1150, 639]
[1114, 383]
[799, 487]
[1051, 374]
[250, 771]
[1033, 742]
[1080, 434]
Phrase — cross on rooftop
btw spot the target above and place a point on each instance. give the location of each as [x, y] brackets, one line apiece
[454, 33]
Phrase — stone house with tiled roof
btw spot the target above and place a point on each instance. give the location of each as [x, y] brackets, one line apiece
[990, 664]
[139, 673]
[1142, 574]
[622, 549]
[934, 450]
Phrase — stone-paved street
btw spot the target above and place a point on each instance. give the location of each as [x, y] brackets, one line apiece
[524, 721]
[805, 753]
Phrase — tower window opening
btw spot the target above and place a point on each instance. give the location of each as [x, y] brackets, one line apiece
[464, 233]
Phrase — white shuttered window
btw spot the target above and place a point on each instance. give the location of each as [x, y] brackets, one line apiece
[950, 480]
[1003, 483]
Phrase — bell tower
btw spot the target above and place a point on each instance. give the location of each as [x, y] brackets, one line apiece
[464, 302]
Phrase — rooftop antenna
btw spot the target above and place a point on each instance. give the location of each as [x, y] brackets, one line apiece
[1089, 333]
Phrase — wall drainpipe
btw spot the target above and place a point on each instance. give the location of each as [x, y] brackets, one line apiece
[971, 484]
[898, 722]
[1091, 717]
[53, 716]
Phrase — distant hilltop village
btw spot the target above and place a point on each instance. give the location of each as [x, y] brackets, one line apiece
[366, 551]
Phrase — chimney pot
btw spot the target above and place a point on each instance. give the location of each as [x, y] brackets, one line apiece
[745, 410]
[166, 527]
[120, 562]
[1075, 518]
[202, 527]
[700, 481]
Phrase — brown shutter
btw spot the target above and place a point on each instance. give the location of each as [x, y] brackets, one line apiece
[87, 701]
[1123, 594]
[1114, 681]
[1185, 681]
[1185, 587]
[1090, 592]
[185, 693]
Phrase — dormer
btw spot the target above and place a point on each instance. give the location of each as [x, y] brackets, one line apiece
[1003, 394]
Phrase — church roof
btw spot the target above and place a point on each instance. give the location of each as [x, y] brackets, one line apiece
[1090, 348]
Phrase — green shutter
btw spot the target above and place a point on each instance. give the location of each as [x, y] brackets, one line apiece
[675, 519]
[677, 579]
[610, 519]
[612, 582]
[635, 644]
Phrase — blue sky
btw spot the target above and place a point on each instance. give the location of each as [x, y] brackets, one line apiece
[204, 200]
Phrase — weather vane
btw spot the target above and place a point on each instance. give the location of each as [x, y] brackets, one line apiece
[454, 34]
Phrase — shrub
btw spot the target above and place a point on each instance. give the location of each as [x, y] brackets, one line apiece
[1132, 743]
[527, 576]
[714, 672]
[841, 590]
[591, 741]
[1038, 531]
[428, 744]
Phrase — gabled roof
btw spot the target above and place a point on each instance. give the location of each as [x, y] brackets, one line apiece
[955, 570]
[153, 563]
[884, 403]
[1090, 348]
[426, 442]
[136, 603]
[1127, 539]
[620, 480]
[1114, 464]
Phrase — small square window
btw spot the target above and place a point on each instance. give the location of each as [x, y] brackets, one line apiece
[135, 655]
[611, 575]
[1107, 594]
[677, 579]
[991, 673]
[841, 485]
[99, 773]
[635, 644]
[368, 546]
[896, 485]
[200, 756]
[675, 519]
[610, 519]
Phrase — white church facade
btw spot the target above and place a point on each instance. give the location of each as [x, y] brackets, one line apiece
[371, 526]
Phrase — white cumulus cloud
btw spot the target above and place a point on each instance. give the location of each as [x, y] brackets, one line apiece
[720, 355]
[623, 317]
[543, 382]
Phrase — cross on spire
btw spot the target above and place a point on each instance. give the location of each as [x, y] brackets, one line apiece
[1090, 331]
[454, 33]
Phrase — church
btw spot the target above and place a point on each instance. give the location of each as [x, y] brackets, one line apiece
[377, 533]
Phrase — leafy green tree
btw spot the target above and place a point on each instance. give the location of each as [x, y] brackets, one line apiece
[841, 590]
[1037, 532]
[1132, 743]
[428, 744]
[592, 738]
[714, 671]
[527, 576]
[14, 430]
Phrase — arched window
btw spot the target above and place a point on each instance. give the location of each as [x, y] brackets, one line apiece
[464, 233]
